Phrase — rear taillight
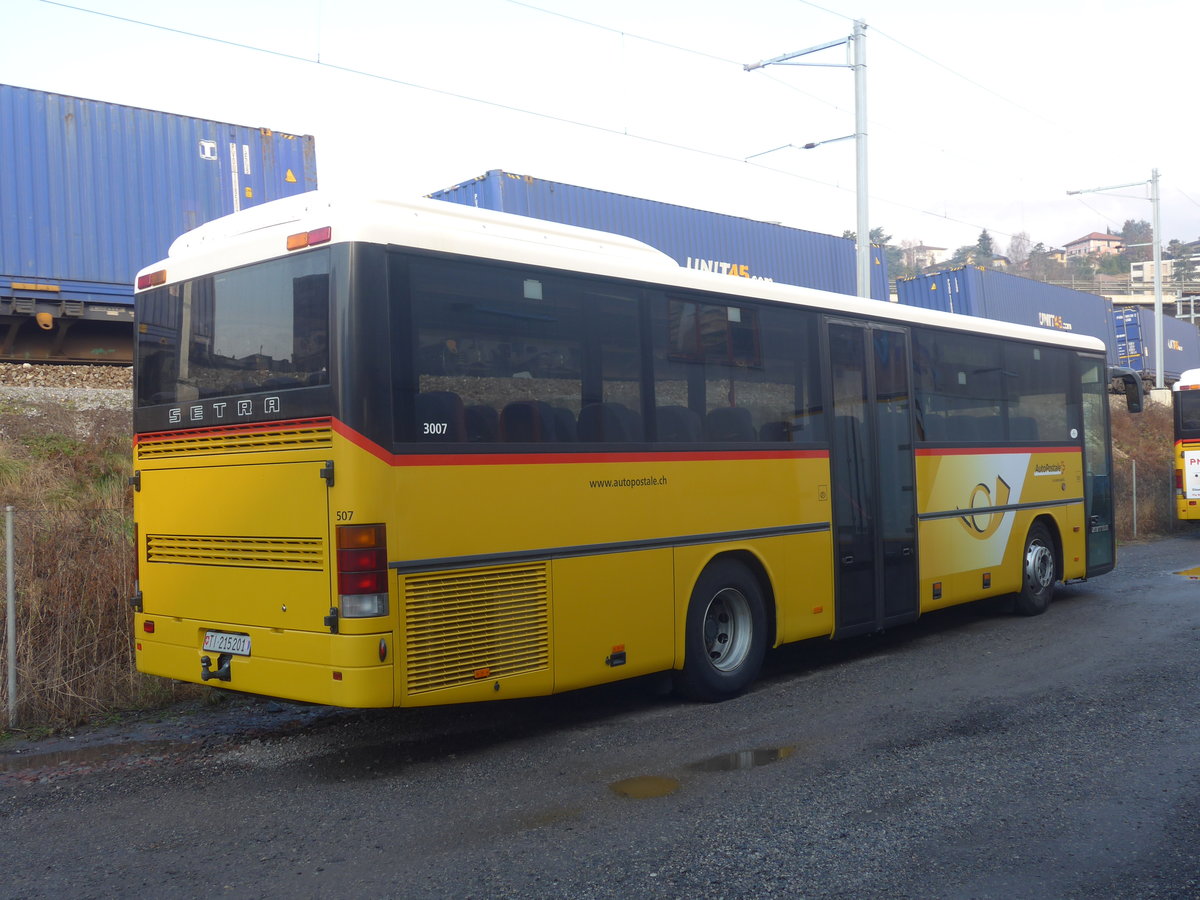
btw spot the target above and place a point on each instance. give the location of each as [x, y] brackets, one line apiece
[362, 571]
[1179, 481]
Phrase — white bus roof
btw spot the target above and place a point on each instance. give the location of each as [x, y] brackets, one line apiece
[261, 232]
[1188, 378]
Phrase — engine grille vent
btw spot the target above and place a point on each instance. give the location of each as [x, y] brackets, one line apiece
[255, 553]
[467, 626]
[312, 434]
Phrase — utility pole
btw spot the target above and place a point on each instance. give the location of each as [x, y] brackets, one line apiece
[856, 44]
[1156, 243]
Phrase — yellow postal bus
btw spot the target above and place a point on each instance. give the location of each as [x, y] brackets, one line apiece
[399, 454]
[1185, 397]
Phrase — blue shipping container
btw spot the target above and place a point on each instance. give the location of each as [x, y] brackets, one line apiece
[694, 238]
[989, 294]
[1134, 327]
[91, 191]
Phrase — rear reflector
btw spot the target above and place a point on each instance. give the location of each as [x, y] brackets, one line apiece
[152, 279]
[310, 238]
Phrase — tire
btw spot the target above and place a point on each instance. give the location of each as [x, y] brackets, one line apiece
[726, 635]
[1038, 572]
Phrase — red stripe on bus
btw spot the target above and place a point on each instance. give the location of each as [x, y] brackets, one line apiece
[526, 459]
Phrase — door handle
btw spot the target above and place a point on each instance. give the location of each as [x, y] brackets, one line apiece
[847, 560]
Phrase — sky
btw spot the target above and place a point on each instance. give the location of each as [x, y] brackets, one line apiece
[978, 115]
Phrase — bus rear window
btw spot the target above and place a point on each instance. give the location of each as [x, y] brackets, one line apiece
[1188, 404]
[260, 328]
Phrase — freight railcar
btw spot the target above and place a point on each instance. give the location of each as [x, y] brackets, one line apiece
[91, 191]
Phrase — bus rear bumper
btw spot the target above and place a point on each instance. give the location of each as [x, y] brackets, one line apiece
[330, 669]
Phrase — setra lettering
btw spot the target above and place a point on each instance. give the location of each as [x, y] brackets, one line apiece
[220, 410]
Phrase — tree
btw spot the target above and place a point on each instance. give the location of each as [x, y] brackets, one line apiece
[1018, 249]
[963, 255]
[1137, 232]
[981, 253]
[1084, 266]
[985, 251]
[1039, 258]
[1184, 262]
[1042, 266]
[877, 236]
[893, 255]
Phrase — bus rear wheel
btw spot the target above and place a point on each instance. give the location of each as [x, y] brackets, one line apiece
[1038, 572]
[725, 639]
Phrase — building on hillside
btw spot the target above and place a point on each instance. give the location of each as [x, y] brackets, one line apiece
[1141, 276]
[922, 257]
[1100, 244]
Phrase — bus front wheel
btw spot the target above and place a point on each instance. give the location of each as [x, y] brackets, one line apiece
[1038, 572]
[725, 639]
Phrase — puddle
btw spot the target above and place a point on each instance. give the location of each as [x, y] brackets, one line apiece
[644, 787]
[1191, 574]
[86, 756]
[647, 786]
[742, 759]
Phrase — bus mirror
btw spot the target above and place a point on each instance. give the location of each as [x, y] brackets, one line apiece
[1131, 382]
[1133, 394]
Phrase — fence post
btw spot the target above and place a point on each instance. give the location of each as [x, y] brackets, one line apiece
[11, 621]
[1134, 463]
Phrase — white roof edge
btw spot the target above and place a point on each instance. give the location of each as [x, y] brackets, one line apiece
[1186, 377]
[260, 233]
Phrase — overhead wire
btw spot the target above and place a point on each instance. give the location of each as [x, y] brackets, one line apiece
[458, 95]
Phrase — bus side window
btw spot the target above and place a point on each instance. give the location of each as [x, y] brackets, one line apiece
[678, 424]
[482, 424]
[440, 417]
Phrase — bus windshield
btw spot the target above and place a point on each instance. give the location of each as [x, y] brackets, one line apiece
[1188, 404]
[259, 328]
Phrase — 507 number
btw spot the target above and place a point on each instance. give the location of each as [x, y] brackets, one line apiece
[345, 515]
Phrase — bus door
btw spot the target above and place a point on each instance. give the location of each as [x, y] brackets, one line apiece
[1097, 465]
[871, 458]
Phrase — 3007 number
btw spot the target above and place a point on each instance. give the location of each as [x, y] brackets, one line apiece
[435, 428]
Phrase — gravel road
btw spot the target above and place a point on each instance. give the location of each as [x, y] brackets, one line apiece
[972, 755]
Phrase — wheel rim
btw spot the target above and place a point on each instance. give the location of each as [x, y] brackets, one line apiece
[1039, 566]
[728, 629]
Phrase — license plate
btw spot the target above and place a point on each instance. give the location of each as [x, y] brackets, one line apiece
[223, 642]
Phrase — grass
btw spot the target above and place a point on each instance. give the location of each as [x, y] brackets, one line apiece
[66, 473]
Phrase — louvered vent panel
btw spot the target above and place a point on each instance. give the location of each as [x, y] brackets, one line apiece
[318, 436]
[254, 553]
[460, 626]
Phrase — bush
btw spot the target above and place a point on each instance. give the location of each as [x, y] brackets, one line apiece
[1147, 439]
[66, 474]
